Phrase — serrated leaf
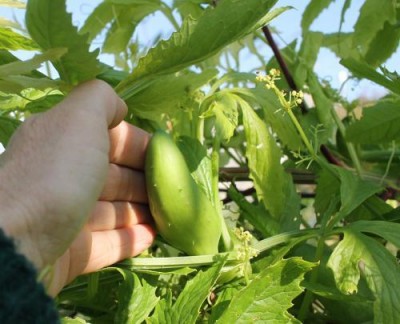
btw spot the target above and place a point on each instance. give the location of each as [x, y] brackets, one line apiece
[341, 44]
[363, 70]
[271, 182]
[187, 306]
[357, 254]
[346, 6]
[269, 295]
[50, 26]
[383, 45]
[380, 124]
[202, 38]
[10, 40]
[312, 11]
[307, 56]
[123, 18]
[136, 299]
[373, 15]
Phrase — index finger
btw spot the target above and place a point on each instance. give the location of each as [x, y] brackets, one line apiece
[128, 145]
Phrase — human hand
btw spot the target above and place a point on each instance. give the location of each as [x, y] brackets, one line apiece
[72, 190]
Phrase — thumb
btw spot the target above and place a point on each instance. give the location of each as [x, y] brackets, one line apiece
[97, 95]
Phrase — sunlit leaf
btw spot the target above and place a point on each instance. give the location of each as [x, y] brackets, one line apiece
[10, 40]
[312, 11]
[202, 38]
[380, 124]
[269, 295]
[357, 254]
[51, 26]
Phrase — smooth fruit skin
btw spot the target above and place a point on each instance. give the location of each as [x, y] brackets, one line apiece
[184, 216]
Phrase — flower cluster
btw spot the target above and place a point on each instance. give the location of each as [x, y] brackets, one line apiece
[295, 97]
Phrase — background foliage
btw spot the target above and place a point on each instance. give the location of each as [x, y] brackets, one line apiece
[315, 181]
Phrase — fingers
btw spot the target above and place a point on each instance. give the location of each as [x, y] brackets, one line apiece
[128, 145]
[100, 99]
[113, 215]
[124, 184]
[109, 247]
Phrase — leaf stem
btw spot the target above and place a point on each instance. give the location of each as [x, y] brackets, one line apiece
[146, 263]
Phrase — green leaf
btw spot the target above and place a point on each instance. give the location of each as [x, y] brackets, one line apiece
[199, 164]
[136, 299]
[44, 103]
[13, 3]
[363, 70]
[327, 192]
[357, 254]
[323, 106]
[123, 18]
[51, 26]
[10, 40]
[273, 115]
[256, 215]
[187, 306]
[388, 230]
[307, 56]
[7, 128]
[224, 107]
[202, 38]
[341, 44]
[372, 18]
[380, 124]
[269, 295]
[353, 191]
[27, 66]
[17, 83]
[345, 7]
[166, 94]
[312, 11]
[69, 320]
[264, 156]
[383, 45]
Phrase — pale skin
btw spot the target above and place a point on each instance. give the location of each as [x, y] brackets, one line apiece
[72, 190]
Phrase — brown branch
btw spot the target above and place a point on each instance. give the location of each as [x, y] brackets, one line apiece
[292, 84]
[282, 64]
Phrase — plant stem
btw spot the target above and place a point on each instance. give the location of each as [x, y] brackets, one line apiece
[308, 297]
[226, 237]
[350, 146]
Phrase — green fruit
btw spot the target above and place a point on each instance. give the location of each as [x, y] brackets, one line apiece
[184, 216]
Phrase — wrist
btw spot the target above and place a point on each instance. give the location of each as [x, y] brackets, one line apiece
[13, 218]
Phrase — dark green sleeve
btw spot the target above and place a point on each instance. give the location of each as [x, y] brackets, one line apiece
[22, 298]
